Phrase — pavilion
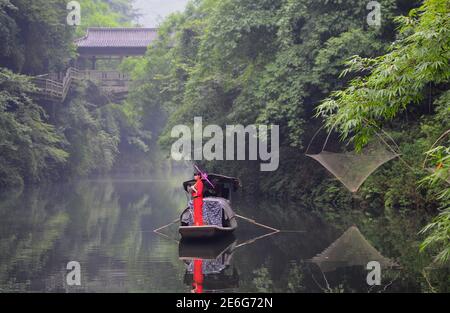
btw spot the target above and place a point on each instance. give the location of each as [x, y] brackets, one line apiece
[105, 43]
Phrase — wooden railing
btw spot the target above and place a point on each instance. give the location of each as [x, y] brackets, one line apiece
[52, 87]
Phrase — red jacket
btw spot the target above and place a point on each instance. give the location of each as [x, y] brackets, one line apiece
[199, 187]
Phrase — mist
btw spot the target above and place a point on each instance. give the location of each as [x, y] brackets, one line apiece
[154, 11]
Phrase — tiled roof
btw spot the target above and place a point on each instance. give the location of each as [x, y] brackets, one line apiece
[117, 37]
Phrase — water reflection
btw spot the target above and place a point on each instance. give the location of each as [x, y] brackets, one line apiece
[350, 249]
[107, 225]
[209, 265]
[352, 253]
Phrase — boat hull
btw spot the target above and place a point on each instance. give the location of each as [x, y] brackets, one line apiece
[206, 231]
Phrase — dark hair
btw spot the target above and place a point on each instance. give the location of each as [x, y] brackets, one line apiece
[197, 174]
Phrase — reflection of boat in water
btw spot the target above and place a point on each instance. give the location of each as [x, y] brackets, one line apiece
[218, 215]
[208, 264]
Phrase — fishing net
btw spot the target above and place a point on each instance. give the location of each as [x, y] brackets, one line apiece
[353, 168]
[351, 249]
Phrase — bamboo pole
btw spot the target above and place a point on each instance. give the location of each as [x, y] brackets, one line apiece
[165, 226]
[256, 223]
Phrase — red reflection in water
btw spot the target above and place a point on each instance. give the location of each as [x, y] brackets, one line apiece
[198, 277]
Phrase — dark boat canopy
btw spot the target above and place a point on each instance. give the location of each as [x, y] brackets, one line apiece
[223, 185]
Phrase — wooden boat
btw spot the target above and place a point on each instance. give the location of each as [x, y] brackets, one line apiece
[218, 197]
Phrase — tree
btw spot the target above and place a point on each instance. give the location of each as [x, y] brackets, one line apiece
[397, 79]
[29, 148]
[397, 82]
[105, 13]
[35, 36]
[257, 62]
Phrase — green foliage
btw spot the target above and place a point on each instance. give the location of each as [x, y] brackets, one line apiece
[251, 62]
[100, 135]
[105, 13]
[398, 79]
[275, 61]
[29, 147]
[35, 36]
[92, 133]
[439, 229]
[42, 139]
[405, 79]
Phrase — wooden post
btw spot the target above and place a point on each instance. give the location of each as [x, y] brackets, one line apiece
[94, 61]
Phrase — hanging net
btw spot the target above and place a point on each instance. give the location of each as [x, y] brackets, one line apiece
[351, 249]
[353, 168]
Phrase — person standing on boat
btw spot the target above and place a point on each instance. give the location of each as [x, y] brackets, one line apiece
[197, 195]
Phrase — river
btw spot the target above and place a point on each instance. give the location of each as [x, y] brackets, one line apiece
[106, 225]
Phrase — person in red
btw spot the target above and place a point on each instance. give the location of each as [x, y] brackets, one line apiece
[197, 195]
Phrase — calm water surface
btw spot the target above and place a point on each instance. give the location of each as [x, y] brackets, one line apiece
[107, 226]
